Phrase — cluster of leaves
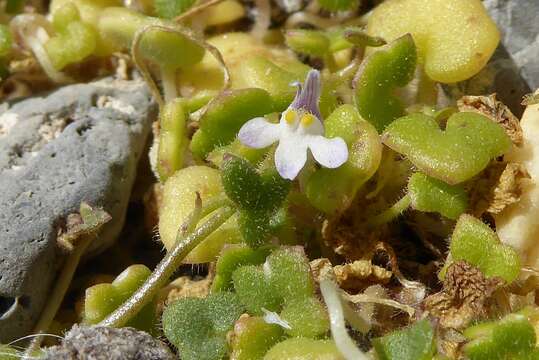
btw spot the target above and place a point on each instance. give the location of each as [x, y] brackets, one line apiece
[274, 287]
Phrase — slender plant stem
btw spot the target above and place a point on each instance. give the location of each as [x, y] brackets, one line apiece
[58, 293]
[168, 77]
[393, 212]
[165, 269]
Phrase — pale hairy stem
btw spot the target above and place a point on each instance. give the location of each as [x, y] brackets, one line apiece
[392, 213]
[160, 276]
[262, 19]
[33, 30]
[168, 78]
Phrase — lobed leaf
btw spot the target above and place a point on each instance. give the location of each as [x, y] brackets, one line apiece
[198, 327]
[304, 349]
[415, 342]
[253, 337]
[169, 9]
[432, 195]
[225, 115]
[470, 141]
[454, 39]
[102, 299]
[390, 67]
[512, 337]
[231, 258]
[475, 242]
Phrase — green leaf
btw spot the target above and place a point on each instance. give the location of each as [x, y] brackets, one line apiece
[118, 25]
[242, 183]
[102, 299]
[232, 257]
[14, 6]
[225, 115]
[72, 45]
[310, 42]
[470, 141]
[332, 190]
[198, 327]
[455, 39]
[415, 342]
[290, 273]
[255, 227]
[284, 278]
[304, 349]
[173, 139]
[475, 242]
[385, 70]
[255, 290]
[512, 337]
[6, 40]
[169, 9]
[253, 337]
[8, 353]
[338, 5]
[307, 318]
[432, 195]
[258, 196]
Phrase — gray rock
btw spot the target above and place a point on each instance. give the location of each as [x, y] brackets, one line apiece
[80, 143]
[104, 343]
[517, 21]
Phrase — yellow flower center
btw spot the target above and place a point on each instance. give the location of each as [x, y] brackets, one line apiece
[307, 120]
[290, 116]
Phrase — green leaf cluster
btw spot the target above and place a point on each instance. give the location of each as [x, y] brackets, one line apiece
[198, 326]
[283, 284]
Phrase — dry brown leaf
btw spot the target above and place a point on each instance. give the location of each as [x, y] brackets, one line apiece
[86, 222]
[360, 274]
[497, 187]
[463, 297]
[495, 110]
[509, 188]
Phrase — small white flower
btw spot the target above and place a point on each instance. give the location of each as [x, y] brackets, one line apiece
[300, 129]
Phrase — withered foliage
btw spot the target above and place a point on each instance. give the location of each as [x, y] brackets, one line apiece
[495, 110]
[463, 297]
[498, 186]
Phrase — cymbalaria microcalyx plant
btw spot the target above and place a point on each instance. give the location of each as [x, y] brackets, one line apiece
[314, 188]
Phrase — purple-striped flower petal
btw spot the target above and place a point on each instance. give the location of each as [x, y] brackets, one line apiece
[308, 96]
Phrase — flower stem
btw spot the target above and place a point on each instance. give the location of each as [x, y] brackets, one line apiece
[391, 213]
[165, 269]
[168, 77]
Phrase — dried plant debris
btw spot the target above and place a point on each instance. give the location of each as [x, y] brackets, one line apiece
[360, 274]
[464, 297]
[500, 185]
[496, 111]
[87, 222]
